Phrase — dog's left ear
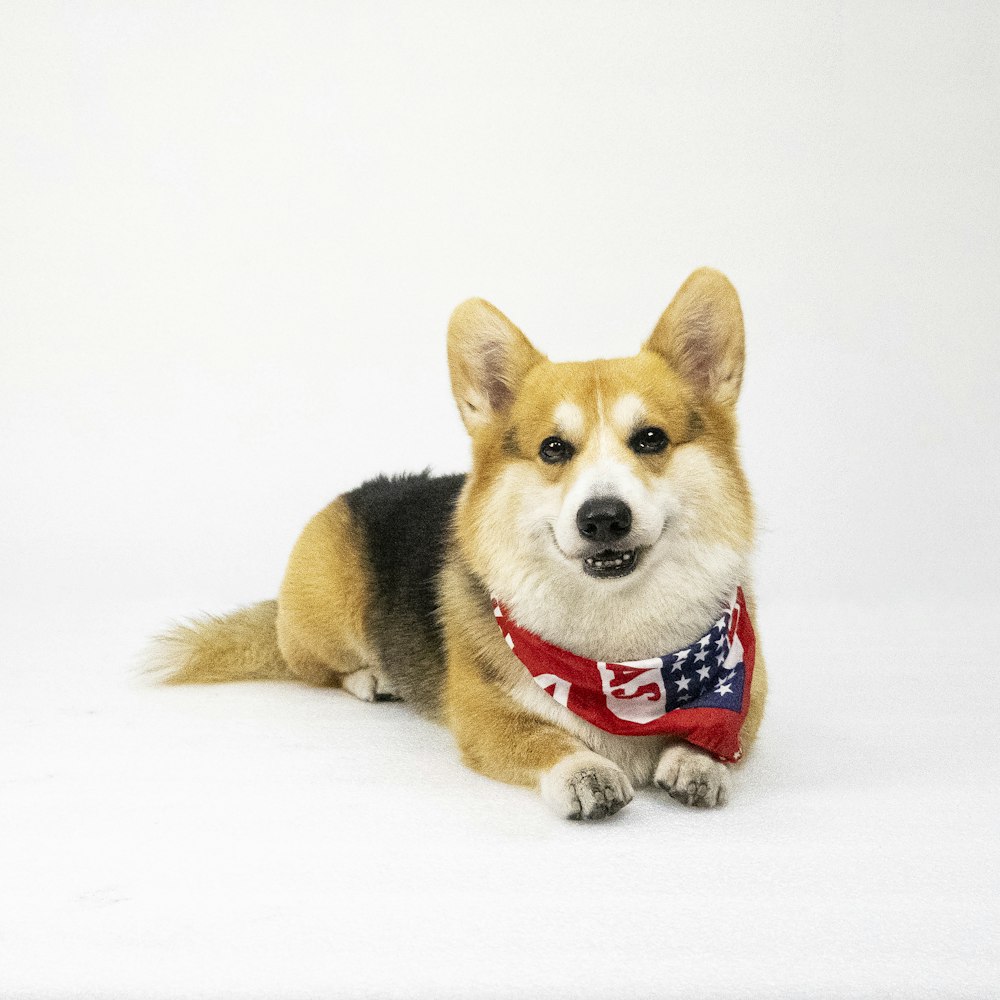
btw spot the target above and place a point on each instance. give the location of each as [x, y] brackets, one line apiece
[488, 358]
[701, 336]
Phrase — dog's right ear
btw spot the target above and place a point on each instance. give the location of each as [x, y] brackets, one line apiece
[488, 358]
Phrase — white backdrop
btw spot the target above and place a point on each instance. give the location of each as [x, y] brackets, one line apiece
[232, 235]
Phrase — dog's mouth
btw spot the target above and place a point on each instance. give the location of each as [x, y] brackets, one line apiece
[609, 563]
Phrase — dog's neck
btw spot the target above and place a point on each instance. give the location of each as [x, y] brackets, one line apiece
[668, 606]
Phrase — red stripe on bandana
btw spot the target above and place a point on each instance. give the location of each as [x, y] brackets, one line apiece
[700, 694]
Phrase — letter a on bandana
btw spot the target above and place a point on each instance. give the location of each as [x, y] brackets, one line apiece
[700, 694]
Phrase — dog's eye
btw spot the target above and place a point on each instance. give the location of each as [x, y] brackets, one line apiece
[554, 450]
[648, 441]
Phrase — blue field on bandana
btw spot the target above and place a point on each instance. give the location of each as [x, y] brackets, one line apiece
[698, 677]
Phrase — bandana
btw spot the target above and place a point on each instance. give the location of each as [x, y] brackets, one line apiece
[700, 694]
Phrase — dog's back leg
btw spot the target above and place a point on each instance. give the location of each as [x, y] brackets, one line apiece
[324, 608]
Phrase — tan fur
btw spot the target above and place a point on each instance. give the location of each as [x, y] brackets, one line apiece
[495, 736]
[212, 650]
[315, 631]
[324, 600]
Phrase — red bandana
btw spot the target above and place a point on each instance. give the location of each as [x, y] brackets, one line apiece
[700, 694]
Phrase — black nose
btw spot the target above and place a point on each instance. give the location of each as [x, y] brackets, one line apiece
[604, 519]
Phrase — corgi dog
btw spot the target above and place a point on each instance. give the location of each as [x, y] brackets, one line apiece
[606, 526]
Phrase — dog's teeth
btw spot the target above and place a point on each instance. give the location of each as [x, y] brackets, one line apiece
[610, 562]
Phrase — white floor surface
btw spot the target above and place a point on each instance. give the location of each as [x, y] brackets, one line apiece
[268, 840]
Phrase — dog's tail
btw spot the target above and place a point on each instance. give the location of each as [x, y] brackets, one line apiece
[242, 646]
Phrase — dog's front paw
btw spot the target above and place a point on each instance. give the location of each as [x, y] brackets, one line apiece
[586, 785]
[692, 776]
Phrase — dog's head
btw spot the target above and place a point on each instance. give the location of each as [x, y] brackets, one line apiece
[606, 493]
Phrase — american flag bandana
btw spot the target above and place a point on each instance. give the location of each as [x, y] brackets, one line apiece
[700, 694]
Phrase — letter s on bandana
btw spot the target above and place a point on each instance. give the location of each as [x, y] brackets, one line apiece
[700, 694]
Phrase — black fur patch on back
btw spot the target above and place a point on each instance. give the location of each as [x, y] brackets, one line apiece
[405, 522]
